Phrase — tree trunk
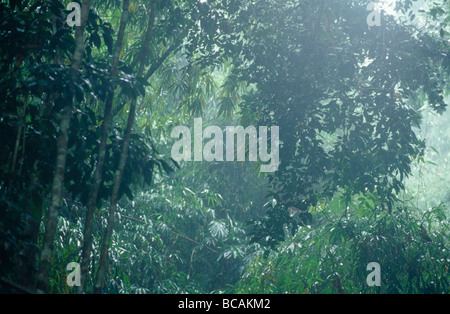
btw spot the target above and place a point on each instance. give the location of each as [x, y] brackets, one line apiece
[123, 159]
[58, 180]
[87, 245]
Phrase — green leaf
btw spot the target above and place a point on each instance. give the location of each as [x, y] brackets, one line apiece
[107, 38]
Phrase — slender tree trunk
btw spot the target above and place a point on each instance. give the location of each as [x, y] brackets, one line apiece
[19, 134]
[58, 180]
[79, 41]
[166, 54]
[88, 236]
[161, 60]
[123, 159]
[52, 219]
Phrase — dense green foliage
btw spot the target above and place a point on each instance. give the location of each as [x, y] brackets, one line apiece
[350, 127]
[86, 173]
[331, 256]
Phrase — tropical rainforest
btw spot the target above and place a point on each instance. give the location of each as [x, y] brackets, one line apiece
[93, 200]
